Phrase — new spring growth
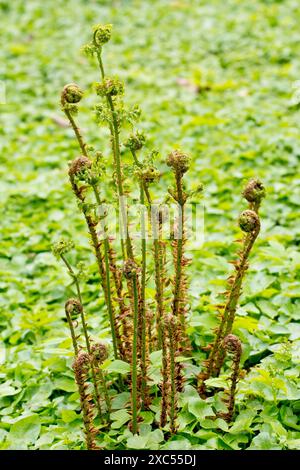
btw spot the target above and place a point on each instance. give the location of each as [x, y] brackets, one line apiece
[134, 331]
[99, 352]
[73, 308]
[171, 327]
[71, 94]
[254, 192]
[102, 34]
[81, 368]
[109, 87]
[179, 161]
[79, 167]
[249, 221]
[233, 346]
[130, 269]
[62, 247]
[148, 174]
[70, 97]
[135, 141]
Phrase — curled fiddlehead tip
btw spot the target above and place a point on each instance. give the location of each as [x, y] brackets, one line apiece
[109, 87]
[232, 344]
[179, 161]
[135, 141]
[73, 307]
[102, 34]
[254, 191]
[249, 221]
[130, 269]
[62, 246]
[99, 352]
[79, 165]
[71, 94]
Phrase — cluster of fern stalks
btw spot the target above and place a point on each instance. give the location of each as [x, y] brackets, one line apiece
[140, 325]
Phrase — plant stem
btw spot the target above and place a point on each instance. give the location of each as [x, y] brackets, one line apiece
[172, 333]
[234, 295]
[86, 335]
[114, 129]
[80, 368]
[232, 345]
[178, 295]
[94, 237]
[158, 272]
[142, 309]
[73, 334]
[217, 352]
[76, 131]
[165, 391]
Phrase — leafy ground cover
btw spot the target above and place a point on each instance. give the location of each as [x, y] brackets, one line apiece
[216, 79]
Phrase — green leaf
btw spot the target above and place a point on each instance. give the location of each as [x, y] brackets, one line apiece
[120, 400]
[7, 390]
[264, 441]
[243, 421]
[147, 417]
[155, 437]
[137, 442]
[178, 444]
[119, 418]
[289, 418]
[217, 382]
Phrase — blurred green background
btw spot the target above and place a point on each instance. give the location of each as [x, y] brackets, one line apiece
[215, 78]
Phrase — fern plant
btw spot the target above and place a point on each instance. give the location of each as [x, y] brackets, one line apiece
[140, 324]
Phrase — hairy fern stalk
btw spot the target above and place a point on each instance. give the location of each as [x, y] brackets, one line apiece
[140, 322]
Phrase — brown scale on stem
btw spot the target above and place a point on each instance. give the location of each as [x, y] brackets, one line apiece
[73, 308]
[179, 162]
[146, 175]
[171, 324]
[78, 170]
[165, 386]
[124, 312]
[249, 223]
[70, 97]
[131, 271]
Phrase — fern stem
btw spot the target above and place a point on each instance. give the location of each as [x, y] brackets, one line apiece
[114, 129]
[86, 335]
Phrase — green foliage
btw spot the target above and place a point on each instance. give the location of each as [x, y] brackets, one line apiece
[225, 98]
